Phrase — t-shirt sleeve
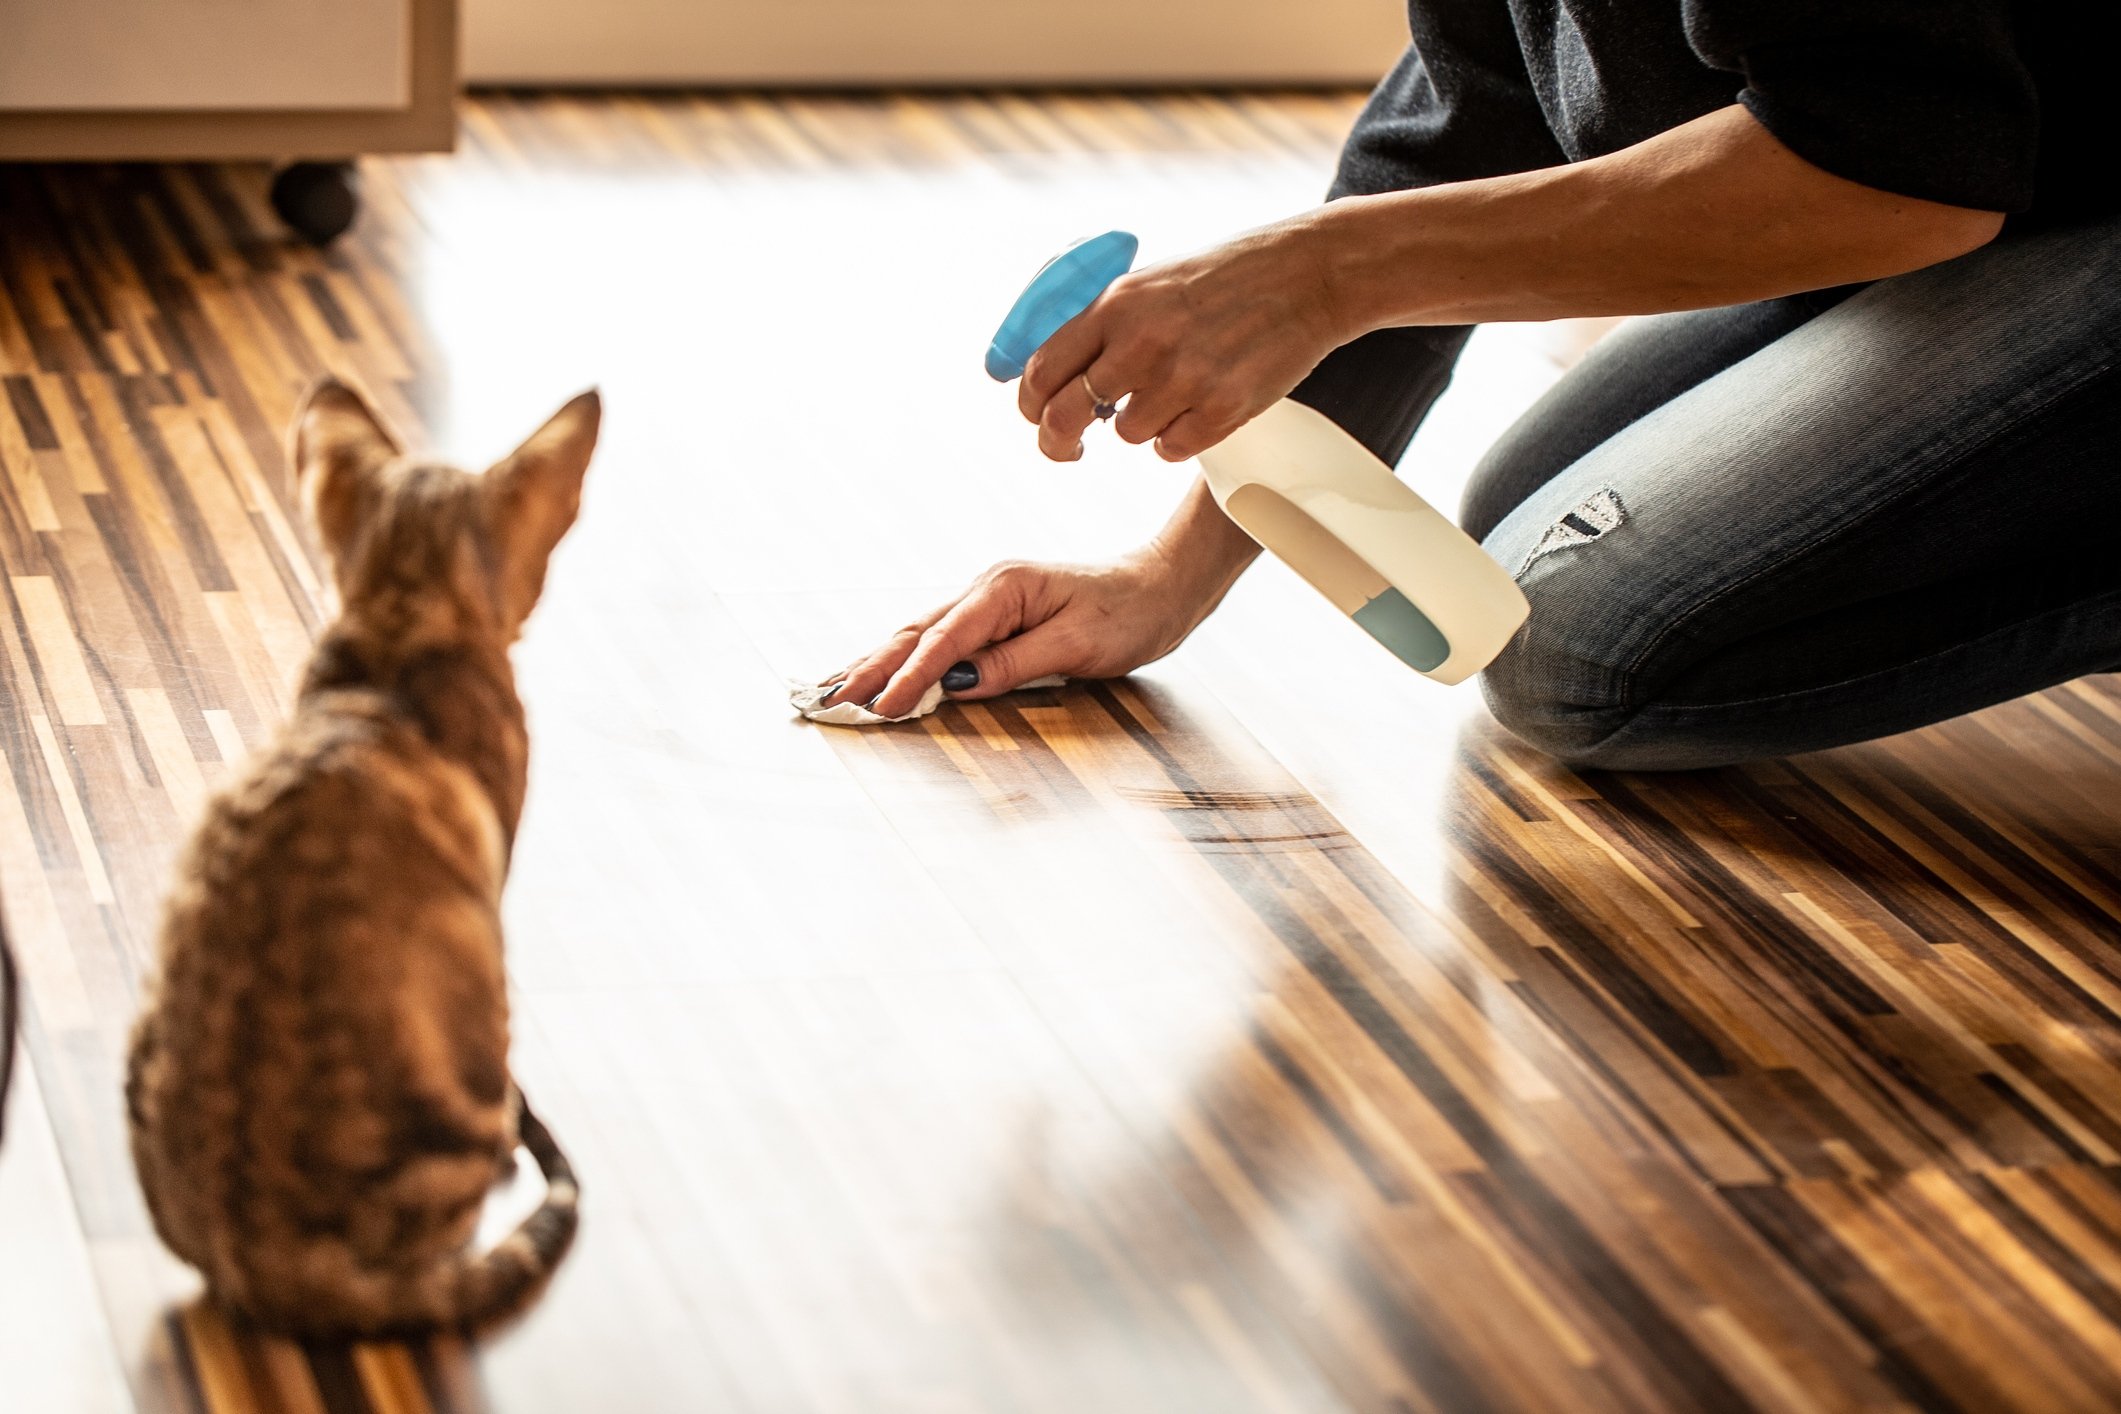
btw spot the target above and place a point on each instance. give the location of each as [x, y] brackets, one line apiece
[1458, 105]
[1378, 388]
[1923, 98]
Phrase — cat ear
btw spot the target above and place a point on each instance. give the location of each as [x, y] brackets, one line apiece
[535, 491]
[339, 446]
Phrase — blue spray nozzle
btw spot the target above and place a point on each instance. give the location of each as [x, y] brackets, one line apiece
[1061, 290]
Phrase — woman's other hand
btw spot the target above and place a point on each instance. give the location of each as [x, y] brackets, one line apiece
[1020, 621]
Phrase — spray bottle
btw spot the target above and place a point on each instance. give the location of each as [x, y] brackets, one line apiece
[1315, 498]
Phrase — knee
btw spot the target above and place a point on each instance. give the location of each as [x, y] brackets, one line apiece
[1564, 684]
[1572, 685]
[1541, 687]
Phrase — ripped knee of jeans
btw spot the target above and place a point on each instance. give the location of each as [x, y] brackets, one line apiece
[1593, 518]
[1561, 684]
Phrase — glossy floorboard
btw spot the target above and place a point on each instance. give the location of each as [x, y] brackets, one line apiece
[1266, 1032]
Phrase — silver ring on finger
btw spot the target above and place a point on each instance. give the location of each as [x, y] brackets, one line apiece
[1101, 407]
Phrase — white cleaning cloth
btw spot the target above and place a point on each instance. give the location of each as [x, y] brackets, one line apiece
[808, 699]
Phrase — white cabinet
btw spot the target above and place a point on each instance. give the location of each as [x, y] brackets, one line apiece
[204, 54]
[170, 79]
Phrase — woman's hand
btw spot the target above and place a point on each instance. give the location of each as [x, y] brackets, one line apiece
[1198, 347]
[1021, 621]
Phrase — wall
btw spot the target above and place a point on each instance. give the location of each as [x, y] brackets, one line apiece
[930, 41]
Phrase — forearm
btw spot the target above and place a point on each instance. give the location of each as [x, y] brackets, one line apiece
[1713, 212]
[1203, 548]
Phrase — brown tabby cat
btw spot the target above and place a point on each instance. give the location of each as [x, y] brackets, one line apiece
[318, 1088]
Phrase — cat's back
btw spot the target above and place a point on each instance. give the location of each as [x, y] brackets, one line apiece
[350, 809]
[350, 860]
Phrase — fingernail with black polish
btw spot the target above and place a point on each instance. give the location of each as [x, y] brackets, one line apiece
[962, 677]
[870, 705]
[831, 693]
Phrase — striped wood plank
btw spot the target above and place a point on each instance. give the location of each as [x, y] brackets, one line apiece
[1266, 1032]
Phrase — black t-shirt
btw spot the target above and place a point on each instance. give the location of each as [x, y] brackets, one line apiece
[1978, 103]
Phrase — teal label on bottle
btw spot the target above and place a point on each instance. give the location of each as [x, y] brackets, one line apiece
[1392, 620]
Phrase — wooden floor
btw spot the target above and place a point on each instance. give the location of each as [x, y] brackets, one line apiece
[1264, 1033]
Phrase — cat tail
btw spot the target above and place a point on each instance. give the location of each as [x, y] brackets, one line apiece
[323, 1291]
[10, 1022]
[489, 1285]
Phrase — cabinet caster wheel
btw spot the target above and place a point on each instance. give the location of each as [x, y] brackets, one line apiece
[317, 200]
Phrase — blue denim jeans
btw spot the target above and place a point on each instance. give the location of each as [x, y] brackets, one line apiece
[1777, 527]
